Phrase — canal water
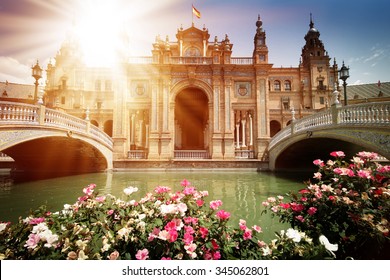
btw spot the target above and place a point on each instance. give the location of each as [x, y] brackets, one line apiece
[242, 193]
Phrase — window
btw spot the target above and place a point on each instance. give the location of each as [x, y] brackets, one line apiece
[276, 85]
[287, 85]
[98, 85]
[62, 100]
[322, 100]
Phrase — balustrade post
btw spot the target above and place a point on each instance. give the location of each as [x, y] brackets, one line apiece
[41, 114]
[335, 113]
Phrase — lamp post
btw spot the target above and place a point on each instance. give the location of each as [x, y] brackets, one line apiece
[344, 75]
[37, 74]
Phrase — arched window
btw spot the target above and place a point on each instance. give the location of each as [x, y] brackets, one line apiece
[287, 85]
[276, 85]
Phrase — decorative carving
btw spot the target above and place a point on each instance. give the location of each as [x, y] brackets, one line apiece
[243, 89]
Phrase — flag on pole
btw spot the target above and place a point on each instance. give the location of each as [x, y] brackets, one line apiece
[195, 12]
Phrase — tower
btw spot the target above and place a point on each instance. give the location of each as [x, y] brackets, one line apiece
[317, 76]
[260, 51]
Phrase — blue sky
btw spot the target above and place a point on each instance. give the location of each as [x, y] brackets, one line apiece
[354, 31]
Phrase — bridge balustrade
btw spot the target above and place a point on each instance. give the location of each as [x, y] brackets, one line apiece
[12, 113]
[18, 112]
[354, 115]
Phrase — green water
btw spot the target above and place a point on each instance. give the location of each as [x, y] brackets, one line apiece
[242, 193]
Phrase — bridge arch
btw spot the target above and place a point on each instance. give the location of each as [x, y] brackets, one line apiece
[354, 128]
[45, 140]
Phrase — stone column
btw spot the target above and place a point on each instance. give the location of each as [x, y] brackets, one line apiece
[243, 123]
[237, 135]
[262, 117]
[154, 137]
[250, 131]
[120, 117]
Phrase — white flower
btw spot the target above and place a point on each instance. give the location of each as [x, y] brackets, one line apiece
[41, 227]
[2, 226]
[141, 216]
[168, 209]
[293, 234]
[329, 246]
[130, 190]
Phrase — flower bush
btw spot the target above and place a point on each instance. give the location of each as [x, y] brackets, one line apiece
[348, 202]
[161, 225]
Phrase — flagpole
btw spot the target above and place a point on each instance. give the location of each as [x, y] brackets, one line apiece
[192, 12]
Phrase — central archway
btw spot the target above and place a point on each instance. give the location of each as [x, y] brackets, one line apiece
[191, 120]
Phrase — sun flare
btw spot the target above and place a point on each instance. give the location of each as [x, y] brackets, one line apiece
[100, 30]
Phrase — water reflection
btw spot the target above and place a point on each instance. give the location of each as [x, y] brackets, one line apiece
[241, 192]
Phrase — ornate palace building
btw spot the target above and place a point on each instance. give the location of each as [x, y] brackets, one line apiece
[191, 99]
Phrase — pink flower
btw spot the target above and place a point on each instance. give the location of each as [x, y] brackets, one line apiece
[215, 204]
[185, 183]
[344, 171]
[242, 224]
[257, 228]
[200, 202]
[247, 234]
[100, 198]
[337, 154]
[300, 218]
[35, 221]
[82, 198]
[189, 190]
[317, 175]
[364, 174]
[216, 255]
[32, 241]
[155, 233]
[188, 238]
[368, 155]
[170, 226]
[89, 190]
[166, 259]
[142, 254]
[296, 207]
[204, 232]
[223, 215]
[318, 162]
[173, 236]
[162, 189]
[189, 229]
[311, 211]
[285, 205]
[110, 212]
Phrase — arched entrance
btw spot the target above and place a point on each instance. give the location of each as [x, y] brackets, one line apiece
[191, 120]
[275, 127]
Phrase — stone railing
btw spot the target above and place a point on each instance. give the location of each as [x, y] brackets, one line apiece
[191, 154]
[12, 113]
[244, 154]
[241, 60]
[137, 154]
[189, 60]
[4, 157]
[353, 115]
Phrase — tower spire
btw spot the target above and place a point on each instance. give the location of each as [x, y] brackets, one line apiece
[311, 21]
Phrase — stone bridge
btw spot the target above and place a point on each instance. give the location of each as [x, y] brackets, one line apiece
[353, 128]
[43, 140]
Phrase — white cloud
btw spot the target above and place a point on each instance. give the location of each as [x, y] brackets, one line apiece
[13, 71]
